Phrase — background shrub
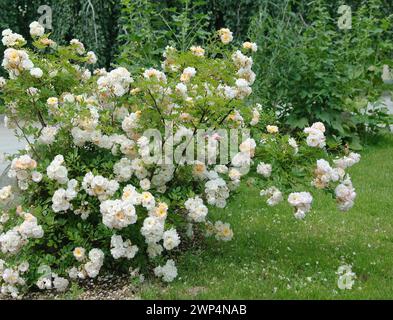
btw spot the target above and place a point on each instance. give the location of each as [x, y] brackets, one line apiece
[310, 70]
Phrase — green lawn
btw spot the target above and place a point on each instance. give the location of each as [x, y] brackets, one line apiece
[274, 256]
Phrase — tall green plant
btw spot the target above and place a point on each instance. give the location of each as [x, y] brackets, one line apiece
[94, 22]
[310, 70]
[149, 26]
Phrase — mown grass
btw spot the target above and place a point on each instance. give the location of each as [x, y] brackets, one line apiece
[274, 256]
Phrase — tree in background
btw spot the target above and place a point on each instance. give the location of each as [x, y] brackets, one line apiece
[94, 22]
[147, 27]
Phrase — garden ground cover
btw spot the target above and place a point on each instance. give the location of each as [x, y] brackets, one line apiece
[274, 256]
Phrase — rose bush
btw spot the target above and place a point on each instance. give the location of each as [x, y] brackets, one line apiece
[98, 193]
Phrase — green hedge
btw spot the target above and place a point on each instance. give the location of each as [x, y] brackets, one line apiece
[94, 22]
[74, 18]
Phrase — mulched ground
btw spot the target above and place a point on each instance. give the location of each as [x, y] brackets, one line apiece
[107, 287]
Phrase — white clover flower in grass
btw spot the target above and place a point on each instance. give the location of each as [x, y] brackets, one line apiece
[168, 272]
[264, 169]
[171, 239]
[118, 214]
[226, 35]
[36, 29]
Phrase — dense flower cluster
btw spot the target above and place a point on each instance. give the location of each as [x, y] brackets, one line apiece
[89, 176]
